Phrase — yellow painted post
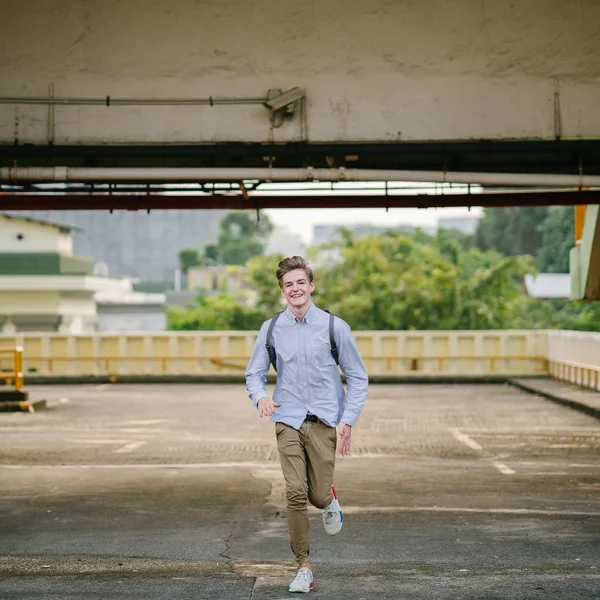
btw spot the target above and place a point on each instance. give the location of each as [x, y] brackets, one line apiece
[19, 368]
[579, 221]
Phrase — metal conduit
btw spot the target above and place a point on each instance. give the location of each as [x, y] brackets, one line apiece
[110, 101]
[17, 175]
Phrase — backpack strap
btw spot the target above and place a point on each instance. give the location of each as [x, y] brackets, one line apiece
[334, 350]
[271, 348]
[269, 345]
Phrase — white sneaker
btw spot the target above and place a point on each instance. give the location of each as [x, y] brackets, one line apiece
[332, 515]
[303, 581]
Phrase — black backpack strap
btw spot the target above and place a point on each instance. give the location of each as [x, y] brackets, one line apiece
[334, 350]
[269, 345]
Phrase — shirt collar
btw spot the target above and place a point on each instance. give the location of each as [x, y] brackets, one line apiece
[310, 314]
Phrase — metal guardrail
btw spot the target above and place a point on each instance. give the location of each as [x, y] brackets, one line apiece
[111, 364]
[580, 374]
[15, 376]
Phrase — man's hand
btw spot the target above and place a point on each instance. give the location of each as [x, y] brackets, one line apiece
[266, 407]
[345, 433]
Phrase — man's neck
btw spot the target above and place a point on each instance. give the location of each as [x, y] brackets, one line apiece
[300, 313]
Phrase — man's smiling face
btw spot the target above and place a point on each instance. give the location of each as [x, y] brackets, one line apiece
[296, 288]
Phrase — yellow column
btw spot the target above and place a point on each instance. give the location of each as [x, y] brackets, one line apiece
[579, 221]
[19, 368]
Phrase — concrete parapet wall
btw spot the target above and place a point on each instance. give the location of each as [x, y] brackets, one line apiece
[206, 353]
[574, 357]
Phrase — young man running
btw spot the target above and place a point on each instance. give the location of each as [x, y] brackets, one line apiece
[308, 403]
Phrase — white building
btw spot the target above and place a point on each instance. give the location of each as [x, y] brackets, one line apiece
[548, 285]
[45, 287]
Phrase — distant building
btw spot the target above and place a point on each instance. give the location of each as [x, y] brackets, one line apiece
[548, 285]
[120, 308]
[210, 281]
[136, 244]
[285, 242]
[467, 225]
[45, 287]
[228, 279]
[218, 278]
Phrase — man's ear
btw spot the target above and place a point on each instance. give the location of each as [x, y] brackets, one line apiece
[282, 292]
[312, 287]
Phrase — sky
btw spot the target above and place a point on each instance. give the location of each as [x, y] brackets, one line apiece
[301, 220]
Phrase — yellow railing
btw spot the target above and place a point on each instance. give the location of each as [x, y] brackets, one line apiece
[385, 353]
[15, 376]
[113, 365]
[580, 374]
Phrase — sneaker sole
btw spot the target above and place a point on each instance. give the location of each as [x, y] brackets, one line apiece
[300, 591]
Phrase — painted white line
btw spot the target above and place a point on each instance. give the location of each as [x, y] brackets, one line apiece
[504, 469]
[540, 464]
[104, 430]
[569, 446]
[96, 441]
[471, 443]
[129, 447]
[218, 465]
[147, 422]
[466, 440]
[101, 387]
[458, 509]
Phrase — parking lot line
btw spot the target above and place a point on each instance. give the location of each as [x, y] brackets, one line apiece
[129, 447]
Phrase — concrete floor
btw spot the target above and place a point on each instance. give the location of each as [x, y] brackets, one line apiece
[174, 491]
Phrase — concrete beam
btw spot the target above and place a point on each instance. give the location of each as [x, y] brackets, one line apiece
[395, 71]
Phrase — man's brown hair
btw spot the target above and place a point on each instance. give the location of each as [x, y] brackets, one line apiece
[290, 264]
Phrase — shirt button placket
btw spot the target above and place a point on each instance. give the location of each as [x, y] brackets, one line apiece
[304, 357]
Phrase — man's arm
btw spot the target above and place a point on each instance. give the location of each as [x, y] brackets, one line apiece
[353, 368]
[258, 367]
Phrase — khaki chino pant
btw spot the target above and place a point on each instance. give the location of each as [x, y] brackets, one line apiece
[307, 460]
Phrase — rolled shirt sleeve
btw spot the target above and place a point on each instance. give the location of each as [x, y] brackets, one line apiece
[351, 363]
[258, 366]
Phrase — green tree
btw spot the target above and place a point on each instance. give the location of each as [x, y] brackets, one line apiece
[211, 254]
[241, 237]
[557, 237]
[400, 281]
[512, 231]
[218, 312]
[189, 257]
[261, 278]
[393, 282]
[562, 314]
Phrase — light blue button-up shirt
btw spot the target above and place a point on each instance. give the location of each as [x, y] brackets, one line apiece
[308, 379]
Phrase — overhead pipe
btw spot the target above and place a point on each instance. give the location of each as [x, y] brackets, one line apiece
[110, 101]
[19, 175]
[275, 100]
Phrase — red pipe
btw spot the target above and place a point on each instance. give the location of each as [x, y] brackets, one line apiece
[24, 201]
